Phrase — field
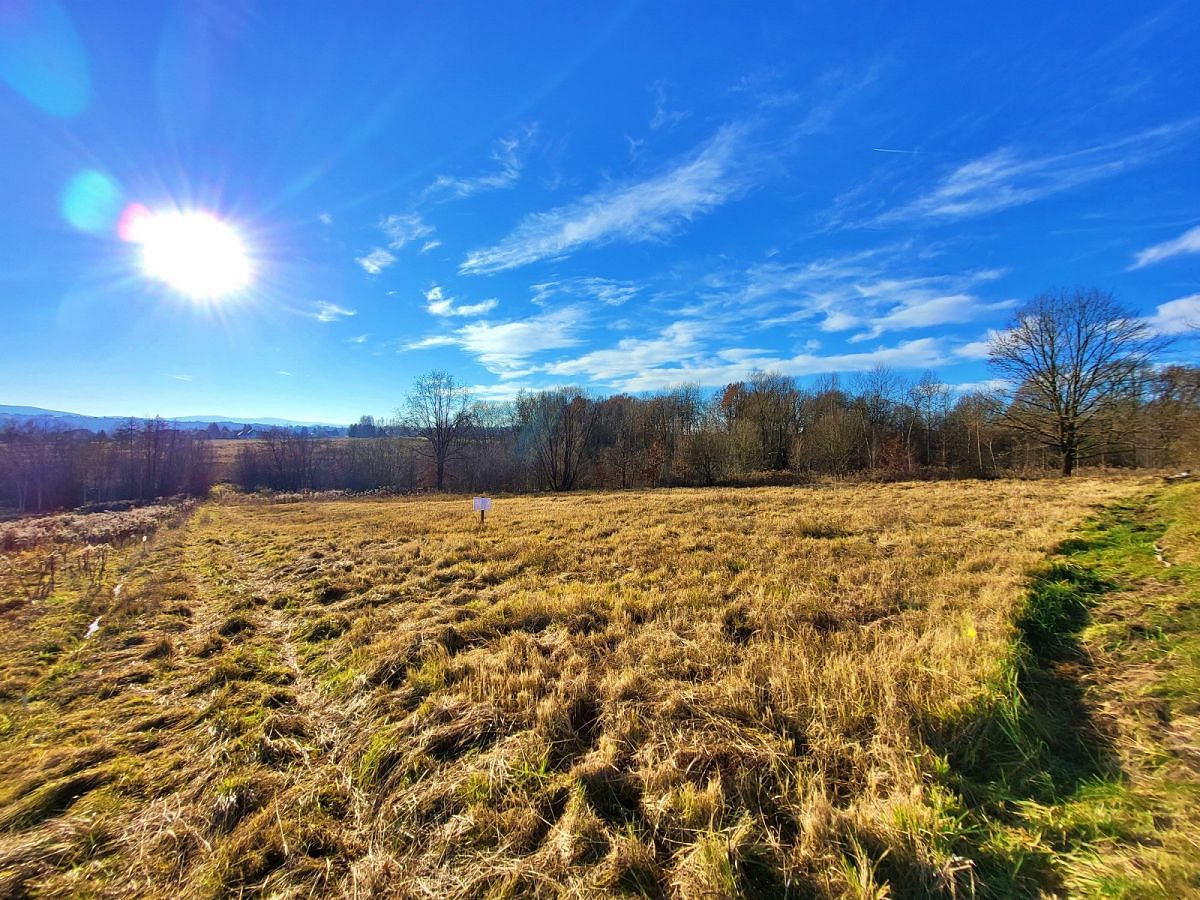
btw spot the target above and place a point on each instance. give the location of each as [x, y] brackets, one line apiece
[962, 688]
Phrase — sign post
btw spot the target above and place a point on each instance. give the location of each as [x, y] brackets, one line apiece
[483, 504]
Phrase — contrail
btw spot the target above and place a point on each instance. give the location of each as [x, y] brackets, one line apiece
[887, 150]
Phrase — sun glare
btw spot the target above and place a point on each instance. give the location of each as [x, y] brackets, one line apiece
[194, 253]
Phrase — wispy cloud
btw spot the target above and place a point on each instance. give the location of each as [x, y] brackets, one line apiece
[649, 210]
[663, 116]
[978, 349]
[438, 304]
[831, 93]
[507, 153]
[822, 99]
[325, 218]
[676, 344]
[1188, 242]
[926, 303]
[505, 348]
[330, 312]
[675, 356]
[401, 228]
[854, 291]
[358, 339]
[989, 386]
[182, 377]
[432, 340]
[1007, 177]
[375, 261]
[608, 291]
[505, 390]
[1177, 317]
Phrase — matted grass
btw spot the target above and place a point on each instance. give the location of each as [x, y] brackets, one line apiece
[695, 693]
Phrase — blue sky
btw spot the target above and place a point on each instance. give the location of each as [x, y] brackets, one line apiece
[623, 196]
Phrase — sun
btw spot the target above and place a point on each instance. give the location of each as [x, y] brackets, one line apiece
[192, 252]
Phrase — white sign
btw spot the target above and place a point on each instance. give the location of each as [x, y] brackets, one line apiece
[482, 504]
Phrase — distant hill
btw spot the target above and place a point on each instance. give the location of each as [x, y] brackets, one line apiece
[20, 415]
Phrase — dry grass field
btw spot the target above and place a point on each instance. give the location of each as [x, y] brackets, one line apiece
[827, 691]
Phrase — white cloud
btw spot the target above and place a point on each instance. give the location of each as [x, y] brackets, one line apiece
[506, 153]
[502, 392]
[433, 340]
[856, 291]
[1188, 242]
[375, 261]
[921, 309]
[680, 353]
[438, 304]
[822, 99]
[325, 218]
[330, 312]
[715, 370]
[677, 342]
[358, 339]
[430, 245]
[640, 211]
[476, 309]
[182, 377]
[837, 320]
[608, 291]
[828, 95]
[979, 349]
[1007, 178]
[663, 117]
[990, 386]
[504, 347]
[284, 374]
[1177, 316]
[401, 228]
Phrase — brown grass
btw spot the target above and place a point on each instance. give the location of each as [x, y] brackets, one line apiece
[694, 693]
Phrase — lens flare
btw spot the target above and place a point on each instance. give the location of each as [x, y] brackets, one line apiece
[91, 201]
[194, 253]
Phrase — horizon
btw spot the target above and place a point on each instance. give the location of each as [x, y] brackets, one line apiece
[532, 201]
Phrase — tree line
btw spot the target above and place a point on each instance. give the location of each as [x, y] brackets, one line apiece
[44, 468]
[1084, 386]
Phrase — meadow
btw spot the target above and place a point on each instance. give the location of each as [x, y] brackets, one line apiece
[962, 688]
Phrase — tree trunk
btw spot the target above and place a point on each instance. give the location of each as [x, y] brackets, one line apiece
[1068, 462]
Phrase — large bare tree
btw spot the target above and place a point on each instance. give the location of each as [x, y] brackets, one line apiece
[439, 409]
[1068, 356]
[556, 428]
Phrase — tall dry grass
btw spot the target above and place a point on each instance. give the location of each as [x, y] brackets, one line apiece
[693, 693]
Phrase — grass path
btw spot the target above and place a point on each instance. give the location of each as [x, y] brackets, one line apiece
[1089, 784]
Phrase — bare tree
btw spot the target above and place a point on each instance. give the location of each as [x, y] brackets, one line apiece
[1068, 356]
[769, 405]
[879, 391]
[439, 409]
[556, 427]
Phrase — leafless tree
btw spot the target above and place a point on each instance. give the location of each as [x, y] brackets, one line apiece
[439, 409]
[879, 392]
[556, 427]
[1067, 356]
[768, 409]
[977, 413]
[291, 453]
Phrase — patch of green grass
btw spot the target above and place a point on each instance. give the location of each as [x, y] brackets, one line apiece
[1052, 804]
